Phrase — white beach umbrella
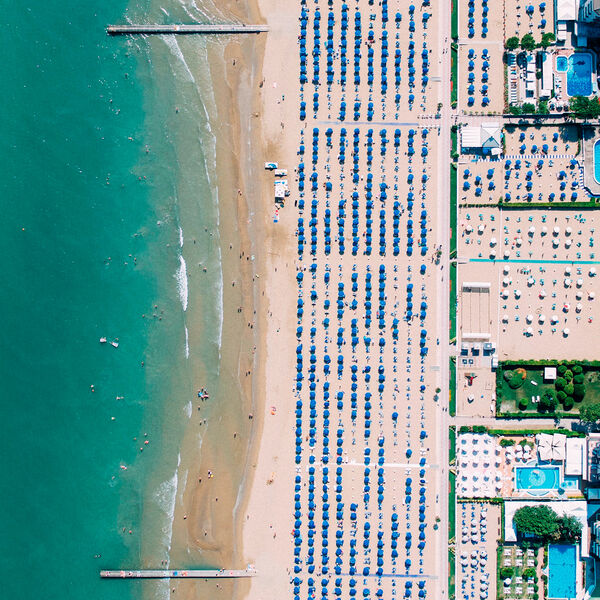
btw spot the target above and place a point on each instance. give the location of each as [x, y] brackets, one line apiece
[506, 254]
[506, 281]
[544, 230]
[568, 243]
[543, 293]
[531, 230]
[542, 318]
[504, 293]
[567, 282]
[506, 269]
[492, 253]
[566, 307]
[554, 319]
[592, 295]
[556, 230]
[568, 231]
[555, 242]
[529, 331]
[579, 282]
[505, 317]
[480, 229]
[592, 272]
[493, 241]
[578, 307]
[519, 241]
[530, 281]
[517, 293]
[566, 331]
[567, 270]
[529, 318]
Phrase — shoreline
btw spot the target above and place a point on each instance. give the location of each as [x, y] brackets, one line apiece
[202, 523]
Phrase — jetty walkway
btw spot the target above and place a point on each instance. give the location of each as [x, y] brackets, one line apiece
[207, 28]
[178, 574]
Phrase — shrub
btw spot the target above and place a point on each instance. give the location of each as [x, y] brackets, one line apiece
[479, 429]
[516, 381]
[561, 369]
[568, 375]
[548, 402]
[507, 375]
[507, 572]
[561, 396]
[505, 442]
[512, 43]
[578, 392]
[577, 369]
[569, 389]
[579, 378]
[560, 383]
[568, 403]
[529, 572]
[523, 403]
[527, 42]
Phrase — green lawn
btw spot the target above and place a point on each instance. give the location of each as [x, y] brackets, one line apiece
[454, 24]
[451, 574]
[452, 404]
[534, 386]
[452, 506]
[454, 75]
[452, 449]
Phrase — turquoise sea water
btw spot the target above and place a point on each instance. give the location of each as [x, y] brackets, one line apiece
[97, 168]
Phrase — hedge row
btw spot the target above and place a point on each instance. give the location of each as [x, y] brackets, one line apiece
[536, 415]
[522, 432]
[546, 362]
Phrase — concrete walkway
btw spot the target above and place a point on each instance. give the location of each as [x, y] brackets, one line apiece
[494, 423]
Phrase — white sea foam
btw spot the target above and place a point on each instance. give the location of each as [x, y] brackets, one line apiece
[165, 11]
[165, 497]
[180, 237]
[187, 343]
[171, 42]
[182, 282]
[188, 410]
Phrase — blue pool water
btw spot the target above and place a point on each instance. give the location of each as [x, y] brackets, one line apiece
[597, 161]
[562, 64]
[579, 74]
[562, 564]
[570, 482]
[537, 478]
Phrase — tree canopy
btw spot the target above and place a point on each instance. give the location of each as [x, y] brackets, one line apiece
[512, 43]
[590, 413]
[543, 523]
[585, 108]
[539, 521]
[528, 43]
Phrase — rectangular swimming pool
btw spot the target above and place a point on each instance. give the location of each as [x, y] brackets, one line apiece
[579, 74]
[537, 478]
[562, 571]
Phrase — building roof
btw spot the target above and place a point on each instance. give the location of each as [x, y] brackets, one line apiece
[487, 135]
[550, 373]
[567, 10]
[576, 508]
[575, 456]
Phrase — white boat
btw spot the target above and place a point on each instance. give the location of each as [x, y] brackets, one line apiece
[103, 340]
[115, 344]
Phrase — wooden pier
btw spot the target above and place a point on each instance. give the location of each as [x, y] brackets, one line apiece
[185, 29]
[178, 574]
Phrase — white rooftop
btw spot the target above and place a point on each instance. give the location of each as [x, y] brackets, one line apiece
[575, 461]
[567, 10]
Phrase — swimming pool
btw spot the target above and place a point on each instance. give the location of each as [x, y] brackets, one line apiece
[562, 571]
[579, 74]
[537, 478]
[597, 161]
[562, 64]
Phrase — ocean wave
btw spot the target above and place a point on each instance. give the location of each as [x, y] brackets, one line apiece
[182, 282]
[165, 497]
[180, 237]
[188, 410]
[173, 46]
[187, 343]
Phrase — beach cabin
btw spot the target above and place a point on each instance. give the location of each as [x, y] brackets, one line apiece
[549, 374]
[484, 139]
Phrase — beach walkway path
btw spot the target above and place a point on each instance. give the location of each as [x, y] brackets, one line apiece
[178, 574]
[206, 28]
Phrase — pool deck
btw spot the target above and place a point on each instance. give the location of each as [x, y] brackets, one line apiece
[590, 134]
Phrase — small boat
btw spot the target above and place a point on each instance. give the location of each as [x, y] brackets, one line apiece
[103, 340]
[115, 344]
